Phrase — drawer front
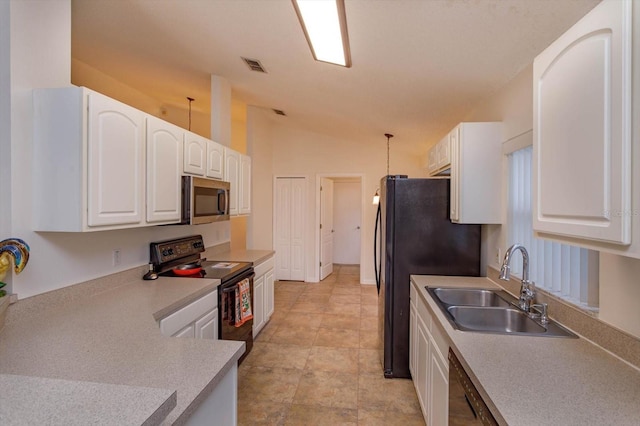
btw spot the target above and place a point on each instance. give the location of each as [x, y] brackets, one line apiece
[262, 268]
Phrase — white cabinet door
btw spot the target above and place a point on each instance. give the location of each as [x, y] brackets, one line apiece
[215, 160]
[115, 166]
[268, 294]
[476, 170]
[232, 175]
[438, 406]
[207, 326]
[443, 153]
[187, 331]
[195, 154]
[164, 165]
[245, 185]
[432, 160]
[258, 305]
[582, 129]
[422, 365]
[413, 338]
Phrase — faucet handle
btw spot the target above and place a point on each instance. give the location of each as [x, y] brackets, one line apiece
[542, 309]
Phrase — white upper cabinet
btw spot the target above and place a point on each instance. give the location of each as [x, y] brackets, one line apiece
[215, 160]
[439, 157]
[232, 175]
[164, 165]
[245, 185]
[476, 168]
[582, 130]
[195, 154]
[88, 162]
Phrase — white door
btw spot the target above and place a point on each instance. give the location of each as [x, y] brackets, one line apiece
[326, 227]
[116, 163]
[289, 228]
[164, 163]
[347, 208]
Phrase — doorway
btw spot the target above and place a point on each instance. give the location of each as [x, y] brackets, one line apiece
[339, 220]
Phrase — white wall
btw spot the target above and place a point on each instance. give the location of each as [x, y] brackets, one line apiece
[299, 152]
[40, 56]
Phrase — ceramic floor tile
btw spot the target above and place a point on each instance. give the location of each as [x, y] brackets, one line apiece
[301, 336]
[337, 338]
[300, 319]
[371, 391]
[369, 289]
[268, 384]
[342, 322]
[309, 307]
[369, 323]
[371, 417]
[262, 413]
[345, 299]
[319, 288]
[369, 339]
[305, 415]
[402, 397]
[369, 310]
[314, 297]
[278, 355]
[346, 290]
[266, 332]
[369, 299]
[343, 309]
[369, 361]
[328, 389]
[333, 359]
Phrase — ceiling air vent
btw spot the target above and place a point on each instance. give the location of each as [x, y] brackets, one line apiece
[254, 65]
[279, 112]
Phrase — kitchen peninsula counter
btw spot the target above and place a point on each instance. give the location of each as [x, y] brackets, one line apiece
[108, 335]
[539, 380]
[255, 257]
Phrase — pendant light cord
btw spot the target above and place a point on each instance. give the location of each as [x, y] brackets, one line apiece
[389, 136]
[190, 100]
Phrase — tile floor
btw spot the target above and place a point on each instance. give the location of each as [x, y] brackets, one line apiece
[316, 362]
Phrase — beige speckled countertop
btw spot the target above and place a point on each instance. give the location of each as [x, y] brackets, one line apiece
[254, 256]
[110, 336]
[540, 380]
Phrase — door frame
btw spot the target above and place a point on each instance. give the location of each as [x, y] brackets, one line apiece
[316, 242]
[305, 207]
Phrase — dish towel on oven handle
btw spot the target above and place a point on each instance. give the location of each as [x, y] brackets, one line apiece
[243, 302]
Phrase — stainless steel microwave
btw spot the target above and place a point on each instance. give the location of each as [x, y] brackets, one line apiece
[204, 200]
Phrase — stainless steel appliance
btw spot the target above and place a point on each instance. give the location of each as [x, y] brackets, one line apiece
[204, 200]
[181, 258]
[416, 237]
[466, 406]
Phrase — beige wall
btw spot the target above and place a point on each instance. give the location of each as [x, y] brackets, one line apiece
[296, 152]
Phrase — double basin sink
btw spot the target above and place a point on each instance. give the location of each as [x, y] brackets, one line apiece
[490, 311]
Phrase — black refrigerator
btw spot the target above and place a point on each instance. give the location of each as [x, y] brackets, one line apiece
[414, 236]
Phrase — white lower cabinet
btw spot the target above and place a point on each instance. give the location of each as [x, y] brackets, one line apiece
[199, 319]
[429, 367]
[262, 294]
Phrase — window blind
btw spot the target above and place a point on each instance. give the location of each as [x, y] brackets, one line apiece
[563, 270]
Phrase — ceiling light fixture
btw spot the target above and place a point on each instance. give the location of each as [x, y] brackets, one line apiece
[324, 23]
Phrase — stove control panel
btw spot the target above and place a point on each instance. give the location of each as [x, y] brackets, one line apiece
[170, 250]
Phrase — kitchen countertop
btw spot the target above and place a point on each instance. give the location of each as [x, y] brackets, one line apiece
[255, 257]
[112, 337]
[540, 380]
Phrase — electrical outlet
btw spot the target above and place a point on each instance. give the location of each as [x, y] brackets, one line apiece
[498, 255]
[116, 257]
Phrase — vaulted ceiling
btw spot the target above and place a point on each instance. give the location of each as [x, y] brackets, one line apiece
[418, 65]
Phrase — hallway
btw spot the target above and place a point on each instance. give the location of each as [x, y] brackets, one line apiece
[317, 363]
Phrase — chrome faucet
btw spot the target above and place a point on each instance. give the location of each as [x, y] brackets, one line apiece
[527, 287]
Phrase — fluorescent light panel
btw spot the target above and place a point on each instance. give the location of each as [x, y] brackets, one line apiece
[325, 26]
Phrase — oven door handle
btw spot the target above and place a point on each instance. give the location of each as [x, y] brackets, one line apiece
[230, 289]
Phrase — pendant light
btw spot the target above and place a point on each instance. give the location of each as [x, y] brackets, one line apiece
[376, 196]
[190, 100]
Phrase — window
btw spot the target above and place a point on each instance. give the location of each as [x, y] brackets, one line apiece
[565, 271]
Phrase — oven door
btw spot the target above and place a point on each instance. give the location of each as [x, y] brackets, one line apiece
[227, 311]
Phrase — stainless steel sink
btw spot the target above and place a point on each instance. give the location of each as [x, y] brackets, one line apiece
[490, 311]
[470, 296]
[495, 320]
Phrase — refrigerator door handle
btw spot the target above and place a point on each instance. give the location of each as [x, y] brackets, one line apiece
[377, 263]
